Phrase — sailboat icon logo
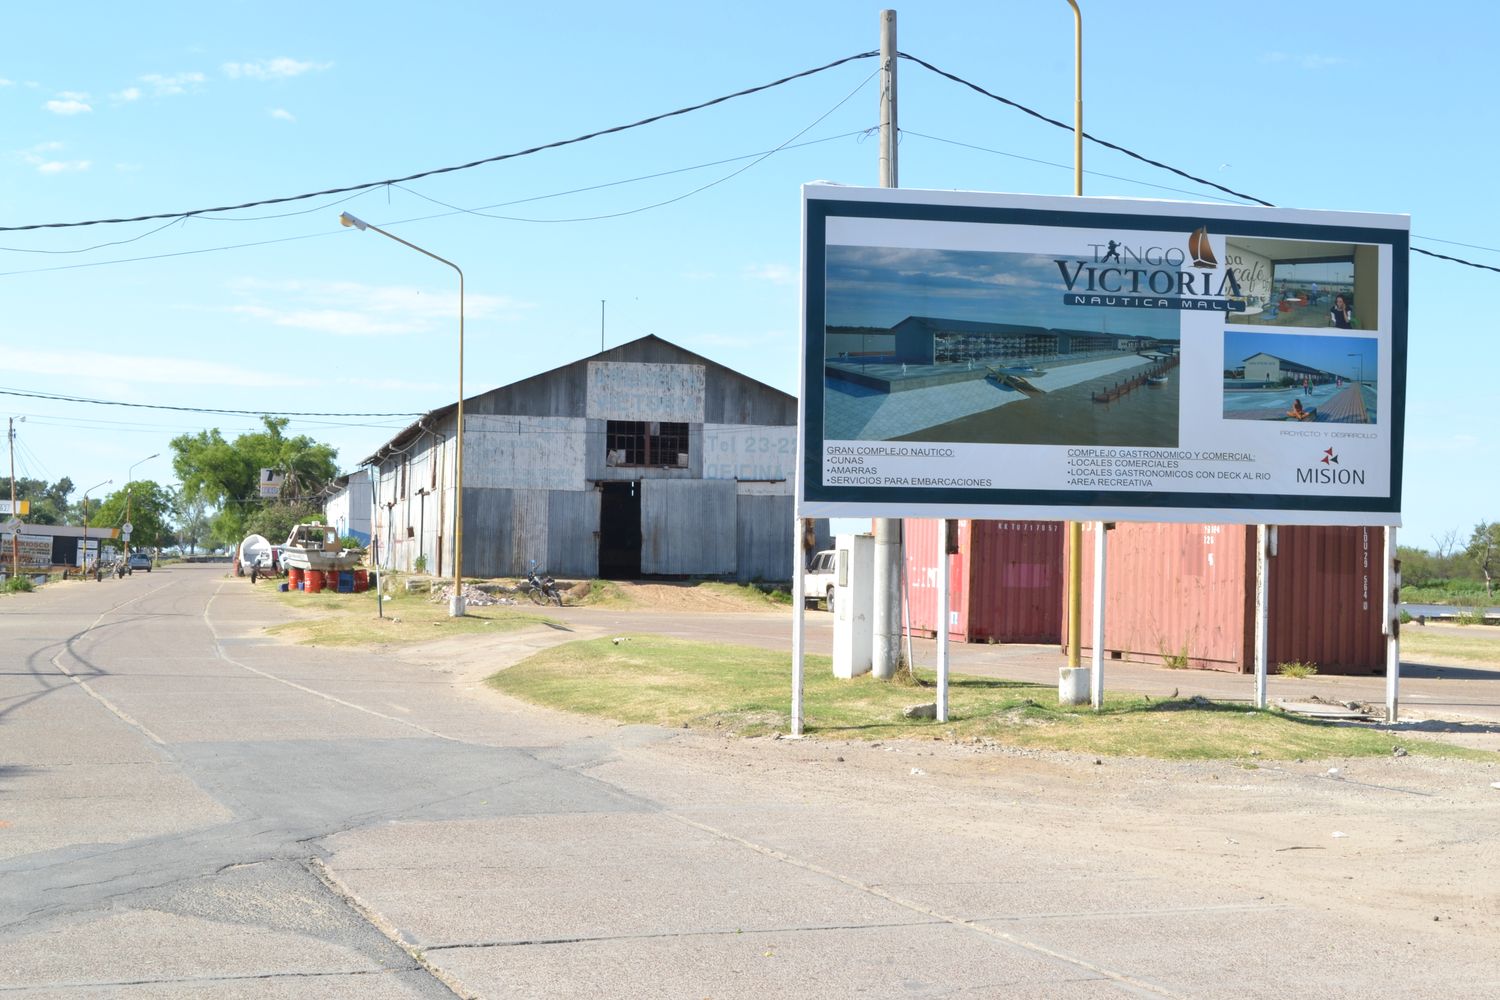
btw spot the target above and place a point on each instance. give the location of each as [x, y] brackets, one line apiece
[1198, 246]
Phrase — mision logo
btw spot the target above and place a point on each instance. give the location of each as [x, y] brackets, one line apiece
[1328, 472]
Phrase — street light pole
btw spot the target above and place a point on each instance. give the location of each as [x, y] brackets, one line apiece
[456, 603]
[129, 477]
[86, 521]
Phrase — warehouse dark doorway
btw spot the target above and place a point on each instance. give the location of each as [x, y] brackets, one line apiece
[619, 531]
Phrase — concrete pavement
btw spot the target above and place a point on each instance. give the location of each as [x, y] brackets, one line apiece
[188, 809]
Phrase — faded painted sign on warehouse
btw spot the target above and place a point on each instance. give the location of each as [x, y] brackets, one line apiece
[1010, 356]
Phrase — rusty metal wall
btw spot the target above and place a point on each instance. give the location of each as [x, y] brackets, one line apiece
[1005, 582]
[1179, 591]
[1325, 597]
[922, 540]
[1172, 590]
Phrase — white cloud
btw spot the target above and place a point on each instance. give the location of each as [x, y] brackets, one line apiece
[62, 166]
[1305, 60]
[282, 114]
[45, 164]
[280, 68]
[171, 86]
[73, 95]
[352, 309]
[134, 368]
[6, 83]
[128, 94]
[68, 106]
[776, 274]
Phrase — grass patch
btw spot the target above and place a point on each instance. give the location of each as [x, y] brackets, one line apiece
[1481, 649]
[1297, 668]
[351, 619]
[598, 594]
[19, 585]
[752, 594]
[1471, 614]
[743, 691]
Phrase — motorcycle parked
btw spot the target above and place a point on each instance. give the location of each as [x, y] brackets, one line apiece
[542, 589]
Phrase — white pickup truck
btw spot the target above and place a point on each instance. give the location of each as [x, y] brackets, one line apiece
[818, 581]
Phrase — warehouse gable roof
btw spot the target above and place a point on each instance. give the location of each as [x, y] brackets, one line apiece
[649, 349]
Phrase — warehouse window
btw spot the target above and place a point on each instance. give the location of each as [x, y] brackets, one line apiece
[646, 442]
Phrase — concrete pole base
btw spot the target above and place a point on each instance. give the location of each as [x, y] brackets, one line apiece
[1073, 685]
[456, 606]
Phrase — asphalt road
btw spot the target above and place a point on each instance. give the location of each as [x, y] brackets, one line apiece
[188, 810]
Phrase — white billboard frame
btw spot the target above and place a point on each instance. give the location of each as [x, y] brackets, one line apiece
[927, 315]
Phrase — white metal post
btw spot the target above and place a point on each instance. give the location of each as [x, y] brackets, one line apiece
[942, 623]
[1262, 610]
[1096, 675]
[1392, 628]
[799, 610]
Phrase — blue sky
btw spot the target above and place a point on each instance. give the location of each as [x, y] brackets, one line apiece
[881, 286]
[114, 111]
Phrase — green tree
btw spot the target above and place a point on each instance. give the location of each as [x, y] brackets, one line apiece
[1484, 551]
[150, 509]
[191, 516]
[227, 474]
[49, 503]
[274, 522]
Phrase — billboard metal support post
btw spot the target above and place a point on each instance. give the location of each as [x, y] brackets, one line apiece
[799, 612]
[1262, 608]
[1392, 625]
[942, 623]
[1096, 674]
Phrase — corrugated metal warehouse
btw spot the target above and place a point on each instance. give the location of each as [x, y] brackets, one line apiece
[1005, 583]
[643, 460]
[1188, 590]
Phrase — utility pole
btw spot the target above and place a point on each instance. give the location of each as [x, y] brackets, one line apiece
[15, 535]
[886, 617]
[1075, 528]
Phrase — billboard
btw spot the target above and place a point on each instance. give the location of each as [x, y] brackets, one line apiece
[1009, 356]
[270, 483]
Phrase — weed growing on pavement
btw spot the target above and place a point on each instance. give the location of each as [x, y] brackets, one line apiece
[1297, 668]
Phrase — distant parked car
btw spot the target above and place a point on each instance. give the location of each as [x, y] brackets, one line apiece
[820, 577]
[140, 560]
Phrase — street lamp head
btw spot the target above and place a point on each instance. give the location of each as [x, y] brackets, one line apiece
[348, 220]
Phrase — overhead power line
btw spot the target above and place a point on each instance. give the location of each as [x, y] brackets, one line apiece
[1144, 159]
[448, 170]
[194, 409]
[357, 188]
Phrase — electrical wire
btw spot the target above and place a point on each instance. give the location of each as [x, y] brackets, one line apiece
[669, 201]
[1145, 159]
[1061, 166]
[420, 218]
[451, 169]
[195, 409]
[1062, 125]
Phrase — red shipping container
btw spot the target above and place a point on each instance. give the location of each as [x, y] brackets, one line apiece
[1187, 592]
[1005, 583]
